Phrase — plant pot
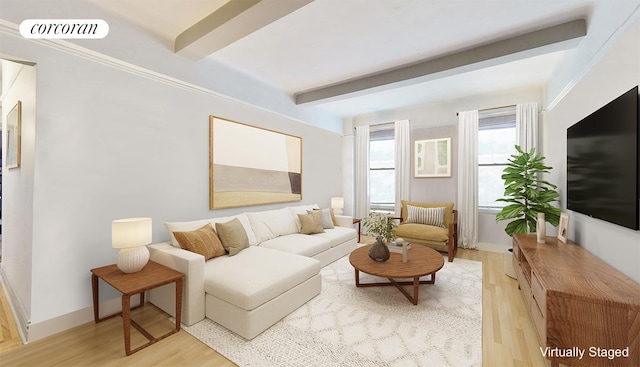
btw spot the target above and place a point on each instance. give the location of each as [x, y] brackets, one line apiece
[508, 264]
[379, 251]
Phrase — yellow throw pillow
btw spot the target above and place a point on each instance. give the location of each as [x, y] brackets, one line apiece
[311, 223]
[203, 241]
[233, 236]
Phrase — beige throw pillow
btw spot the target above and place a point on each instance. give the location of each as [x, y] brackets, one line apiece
[311, 223]
[327, 217]
[203, 241]
[233, 236]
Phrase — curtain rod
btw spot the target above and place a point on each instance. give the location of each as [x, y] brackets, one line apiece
[379, 124]
[491, 108]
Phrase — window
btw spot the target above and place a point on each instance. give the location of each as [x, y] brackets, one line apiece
[496, 142]
[382, 173]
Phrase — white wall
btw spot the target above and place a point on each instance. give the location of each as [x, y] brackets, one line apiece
[109, 144]
[19, 83]
[615, 73]
[439, 189]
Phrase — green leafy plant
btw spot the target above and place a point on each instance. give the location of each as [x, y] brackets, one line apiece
[526, 193]
[381, 226]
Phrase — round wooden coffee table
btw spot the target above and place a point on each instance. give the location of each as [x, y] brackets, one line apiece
[422, 261]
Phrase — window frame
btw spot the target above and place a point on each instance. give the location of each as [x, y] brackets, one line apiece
[495, 119]
[379, 133]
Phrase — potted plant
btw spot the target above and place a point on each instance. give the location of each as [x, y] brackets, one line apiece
[381, 226]
[526, 193]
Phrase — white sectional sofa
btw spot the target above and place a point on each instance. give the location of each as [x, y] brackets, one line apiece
[257, 287]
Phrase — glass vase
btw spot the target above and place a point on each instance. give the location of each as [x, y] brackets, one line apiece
[379, 251]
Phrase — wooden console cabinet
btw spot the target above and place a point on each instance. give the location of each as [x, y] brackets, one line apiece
[585, 312]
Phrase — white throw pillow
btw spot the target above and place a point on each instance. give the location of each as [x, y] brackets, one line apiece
[272, 223]
[430, 216]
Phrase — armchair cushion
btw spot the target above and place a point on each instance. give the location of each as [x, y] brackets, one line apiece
[423, 232]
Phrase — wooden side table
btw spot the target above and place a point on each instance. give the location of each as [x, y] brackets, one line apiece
[359, 222]
[152, 276]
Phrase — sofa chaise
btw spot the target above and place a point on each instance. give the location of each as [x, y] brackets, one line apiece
[259, 285]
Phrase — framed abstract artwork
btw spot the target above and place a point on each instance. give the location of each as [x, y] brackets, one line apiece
[432, 158]
[14, 136]
[249, 165]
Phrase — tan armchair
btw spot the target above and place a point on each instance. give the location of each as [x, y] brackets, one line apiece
[443, 237]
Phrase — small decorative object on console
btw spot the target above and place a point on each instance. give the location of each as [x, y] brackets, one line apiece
[563, 227]
[541, 228]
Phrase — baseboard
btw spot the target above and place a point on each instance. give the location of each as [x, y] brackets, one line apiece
[19, 314]
[30, 332]
[59, 324]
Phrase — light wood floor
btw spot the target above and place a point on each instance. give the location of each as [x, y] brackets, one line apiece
[508, 337]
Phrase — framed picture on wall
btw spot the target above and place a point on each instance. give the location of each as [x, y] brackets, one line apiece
[432, 158]
[14, 136]
[250, 165]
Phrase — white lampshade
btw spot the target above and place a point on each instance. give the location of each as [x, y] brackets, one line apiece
[131, 236]
[131, 232]
[337, 203]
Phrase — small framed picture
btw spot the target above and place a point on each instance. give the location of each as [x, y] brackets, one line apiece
[432, 158]
[14, 128]
[563, 227]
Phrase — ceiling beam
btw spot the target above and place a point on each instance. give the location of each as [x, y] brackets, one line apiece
[550, 39]
[231, 22]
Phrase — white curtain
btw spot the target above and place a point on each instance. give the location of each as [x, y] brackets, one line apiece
[402, 131]
[361, 187]
[527, 125]
[468, 179]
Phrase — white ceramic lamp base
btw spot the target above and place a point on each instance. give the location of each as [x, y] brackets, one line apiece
[131, 260]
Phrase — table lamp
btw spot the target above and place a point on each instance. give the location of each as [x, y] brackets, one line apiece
[337, 203]
[131, 236]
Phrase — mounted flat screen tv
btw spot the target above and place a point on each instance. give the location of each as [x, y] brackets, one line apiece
[602, 162]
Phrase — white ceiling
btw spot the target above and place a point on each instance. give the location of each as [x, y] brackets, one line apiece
[330, 41]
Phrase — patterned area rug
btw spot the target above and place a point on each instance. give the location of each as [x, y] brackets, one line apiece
[375, 326]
